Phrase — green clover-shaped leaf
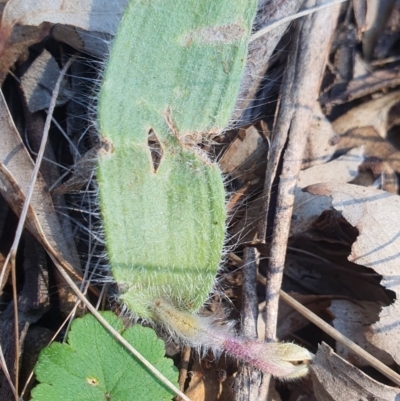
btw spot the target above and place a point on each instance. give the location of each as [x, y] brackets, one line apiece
[93, 366]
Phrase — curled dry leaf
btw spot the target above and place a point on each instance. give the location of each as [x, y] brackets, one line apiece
[15, 47]
[208, 381]
[350, 318]
[366, 84]
[91, 15]
[42, 220]
[379, 174]
[39, 81]
[367, 125]
[243, 153]
[334, 379]
[25, 22]
[375, 146]
[321, 140]
[94, 43]
[373, 213]
[17, 160]
[307, 207]
[374, 113]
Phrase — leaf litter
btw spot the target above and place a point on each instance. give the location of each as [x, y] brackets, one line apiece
[342, 250]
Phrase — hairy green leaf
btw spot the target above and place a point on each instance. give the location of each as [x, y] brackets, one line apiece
[173, 74]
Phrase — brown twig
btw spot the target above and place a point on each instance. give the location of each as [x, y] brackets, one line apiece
[306, 63]
[183, 369]
[250, 384]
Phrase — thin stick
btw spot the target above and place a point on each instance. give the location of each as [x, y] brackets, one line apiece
[289, 18]
[250, 384]
[313, 318]
[184, 368]
[11, 257]
[6, 373]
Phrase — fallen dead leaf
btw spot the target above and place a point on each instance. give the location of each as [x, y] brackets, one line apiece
[39, 81]
[245, 150]
[94, 43]
[373, 213]
[350, 318]
[308, 207]
[25, 22]
[379, 174]
[321, 140]
[366, 85]
[16, 47]
[15, 178]
[209, 381]
[91, 15]
[374, 113]
[375, 146]
[334, 379]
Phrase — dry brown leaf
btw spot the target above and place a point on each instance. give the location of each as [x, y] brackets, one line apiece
[95, 43]
[380, 174]
[208, 382]
[19, 165]
[17, 160]
[375, 214]
[321, 140]
[243, 152]
[375, 146]
[15, 47]
[91, 15]
[334, 379]
[367, 125]
[374, 113]
[350, 319]
[39, 81]
[25, 22]
[308, 207]
[379, 80]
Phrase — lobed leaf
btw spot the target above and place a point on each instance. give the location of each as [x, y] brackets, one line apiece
[95, 367]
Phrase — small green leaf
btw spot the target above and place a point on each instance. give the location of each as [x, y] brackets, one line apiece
[93, 366]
